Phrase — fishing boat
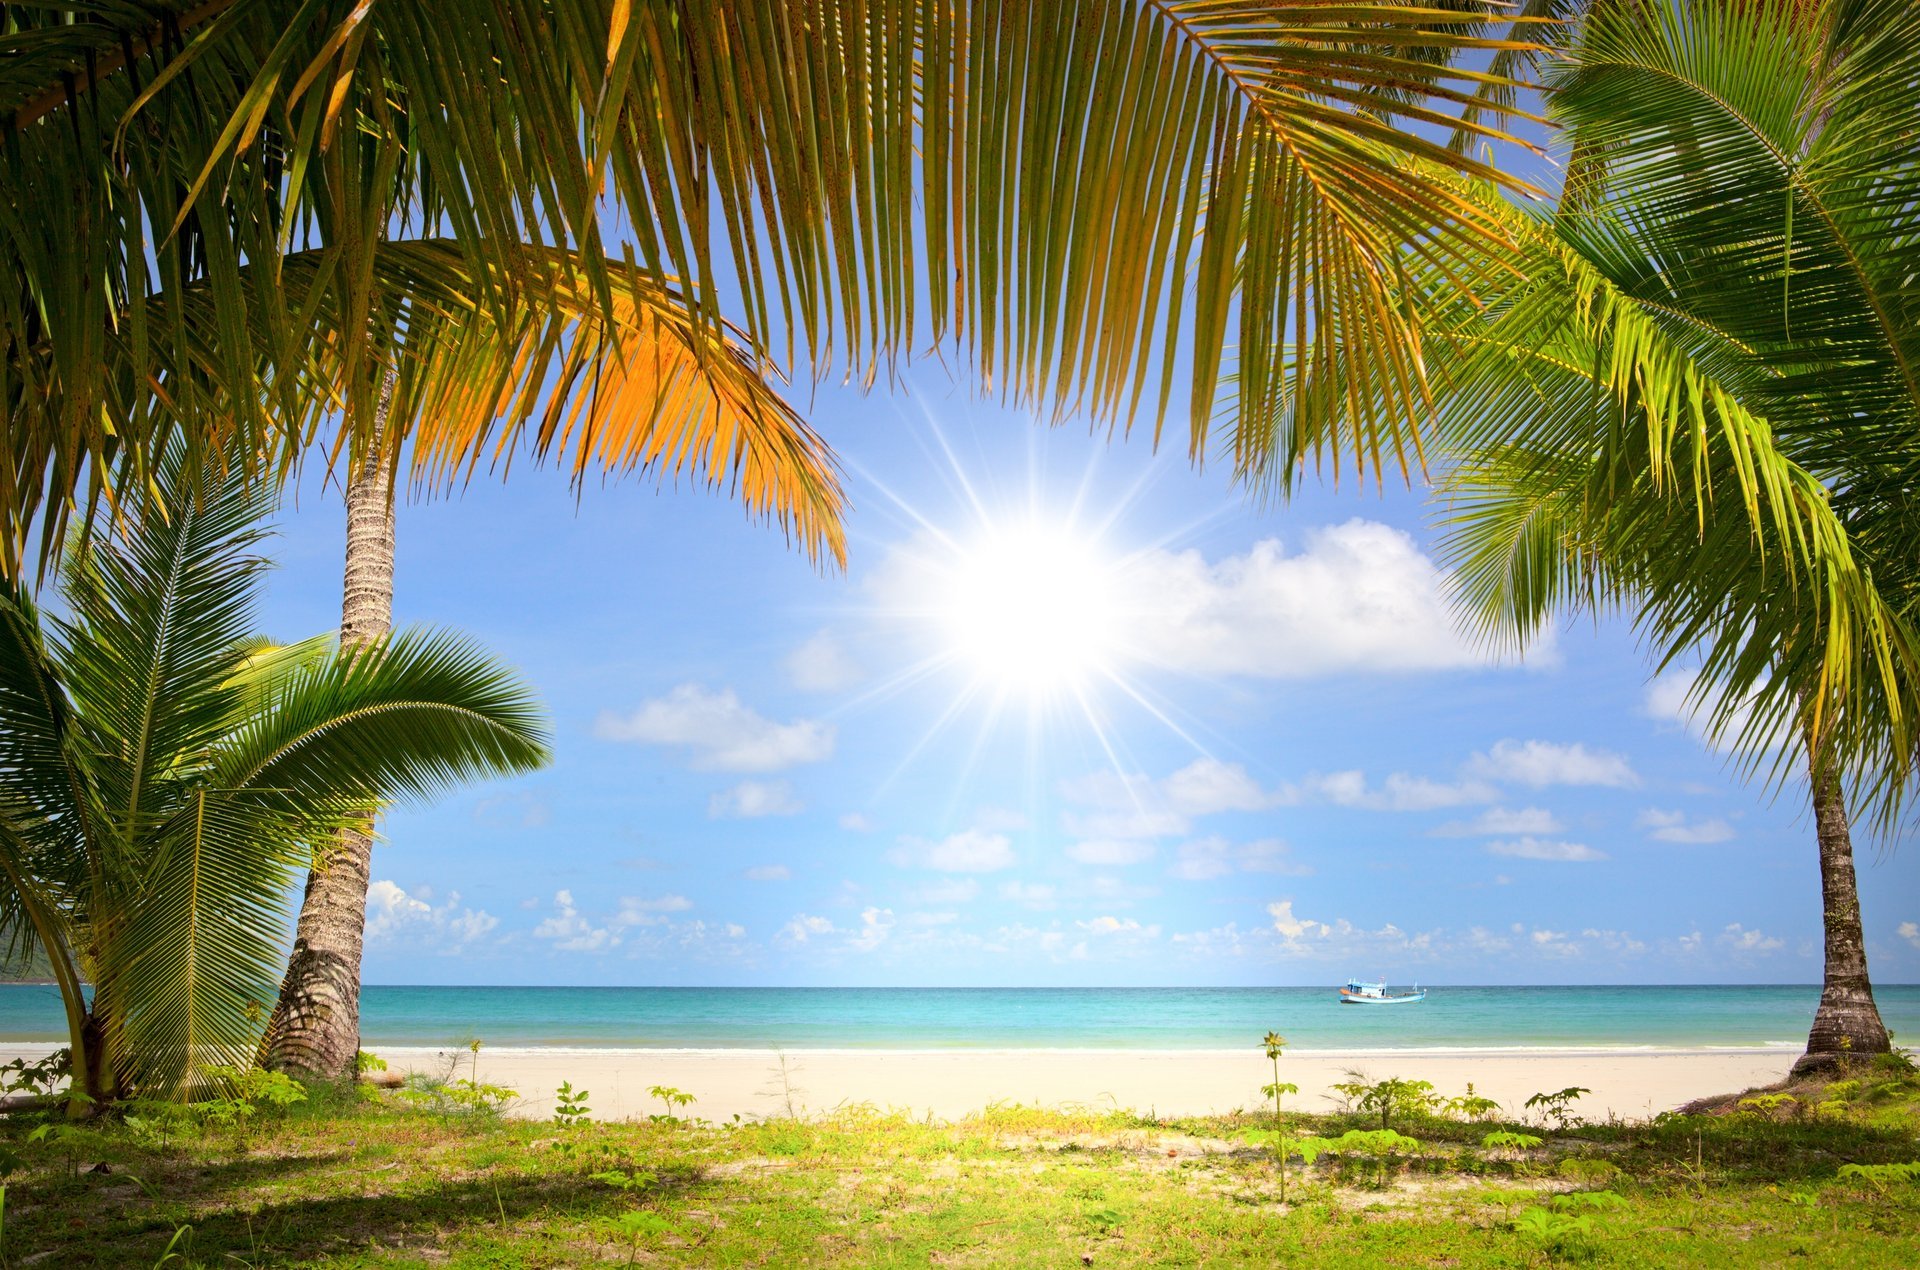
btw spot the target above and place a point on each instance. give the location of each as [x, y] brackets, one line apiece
[1359, 992]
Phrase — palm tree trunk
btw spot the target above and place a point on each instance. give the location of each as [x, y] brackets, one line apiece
[1847, 1021]
[315, 1030]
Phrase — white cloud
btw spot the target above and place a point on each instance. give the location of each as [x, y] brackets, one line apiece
[1111, 852]
[1207, 785]
[822, 664]
[769, 873]
[1399, 792]
[1036, 895]
[969, 851]
[1674, 826]
[640, 911]
[1360, 597]
[570, 932]
[1544, 849]
[1497, 821]
[752, 799]
[1213, 857]
[1290, 927]
[396, 917]
[855, 822]
[1741, 940]
[1540, 763]
[875, 925]
[1909, 931]
[722, 733]
[803, 928]
[1670, 698]
[1119, 926]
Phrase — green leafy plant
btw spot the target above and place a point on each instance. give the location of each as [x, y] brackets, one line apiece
[1378, 1145]
[245, 1093]
[570, 1106]
[1470, 1105]
[214, 765]
[1588, 1199]
[670, 1098]
[1550, 1229]
[1510, 1140]
[1558, 1106]
[366, 1061]
[1881, 1176]
[37, 1077]
[1276, 1045]
[1387, 1098]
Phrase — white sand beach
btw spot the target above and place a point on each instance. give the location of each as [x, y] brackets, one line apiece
[1628, 1084]
[1631, 1084]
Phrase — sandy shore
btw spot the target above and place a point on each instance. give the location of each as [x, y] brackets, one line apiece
[1632, 1084]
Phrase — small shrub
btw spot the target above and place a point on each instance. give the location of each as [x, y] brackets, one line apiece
[1388, 1098]
[1881, 1176]
[670, 1098]
[570, 1106]
[1509, 1140]
[1558, 1106]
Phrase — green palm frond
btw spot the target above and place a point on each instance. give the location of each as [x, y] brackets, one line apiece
[405, 717]
[1090, 196]
[1696, 399]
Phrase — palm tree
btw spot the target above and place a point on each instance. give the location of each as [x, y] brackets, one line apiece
[1080, 171]
[165, 775]
[1698, 400]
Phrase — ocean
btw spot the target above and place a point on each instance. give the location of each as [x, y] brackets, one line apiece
[1064, 1018]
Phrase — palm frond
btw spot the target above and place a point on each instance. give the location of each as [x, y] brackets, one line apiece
[404, 717]
[1090, 197]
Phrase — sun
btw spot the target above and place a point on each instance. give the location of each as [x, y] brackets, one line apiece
[1030, 607]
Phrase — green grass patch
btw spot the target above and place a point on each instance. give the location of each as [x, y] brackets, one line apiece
[358, 1179]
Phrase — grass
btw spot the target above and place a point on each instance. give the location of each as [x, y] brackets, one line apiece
[362, 1179]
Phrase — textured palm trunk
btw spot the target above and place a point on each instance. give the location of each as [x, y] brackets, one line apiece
[315, 1030]
[1847, 1021]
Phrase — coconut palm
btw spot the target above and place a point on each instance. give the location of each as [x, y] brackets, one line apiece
[165, 775]
[1698, 400]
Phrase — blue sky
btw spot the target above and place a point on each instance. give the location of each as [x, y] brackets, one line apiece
[1287, 766]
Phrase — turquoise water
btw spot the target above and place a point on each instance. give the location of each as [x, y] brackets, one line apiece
[1066, 1018]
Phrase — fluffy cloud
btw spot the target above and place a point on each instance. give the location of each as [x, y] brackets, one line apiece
[823, 665]
[1909, 931]
[1672, 698]
[854, 822]
[769, 873]
[969, 851]
[641, 911]
[1498, 821]
[804, 928]
[1138, 806]
[1540, 763]
[721, 732]
[394, 916]
[875, 925]
[1359, 597]
[751, 799]
[1544, 849]
[1214, 857]
[1399, 792]
[1111, 852]
[1207, 785]
[1119, 926]
[571, 932]
[1674, 826]
[1741, 940]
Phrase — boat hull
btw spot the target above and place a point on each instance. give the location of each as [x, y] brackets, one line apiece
[1405, 998]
